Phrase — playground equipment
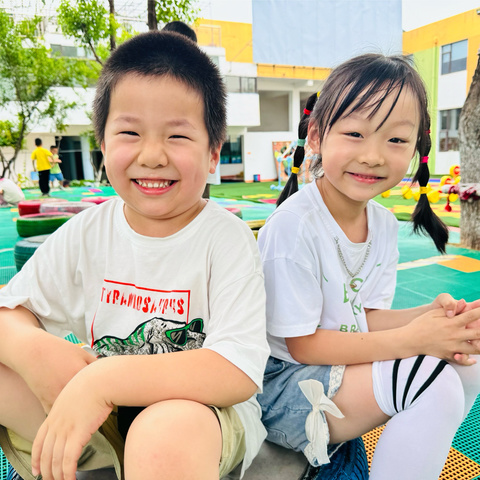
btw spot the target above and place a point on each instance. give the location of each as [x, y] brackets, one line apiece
[285, 158]
[434, 194]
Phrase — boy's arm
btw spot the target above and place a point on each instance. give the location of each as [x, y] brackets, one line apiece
[200, 375]
[45, 362]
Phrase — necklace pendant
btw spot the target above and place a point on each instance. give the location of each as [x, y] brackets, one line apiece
[353, 285]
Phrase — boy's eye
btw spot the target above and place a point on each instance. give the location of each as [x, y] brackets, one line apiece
[178, 136]
[128, 132]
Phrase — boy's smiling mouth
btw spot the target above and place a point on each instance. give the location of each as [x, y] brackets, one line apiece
[154, 183]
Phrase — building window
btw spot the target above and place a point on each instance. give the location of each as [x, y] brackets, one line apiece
[449, 130]
[232, 150]
[241, 84]
[454, 57]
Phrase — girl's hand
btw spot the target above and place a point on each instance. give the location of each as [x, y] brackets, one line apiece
[463, 306]
[450, 306]
[448, 338]
[75, 416]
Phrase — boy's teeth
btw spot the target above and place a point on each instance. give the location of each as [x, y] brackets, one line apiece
[162, 184]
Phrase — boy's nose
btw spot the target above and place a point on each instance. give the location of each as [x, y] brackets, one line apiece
[153, 156]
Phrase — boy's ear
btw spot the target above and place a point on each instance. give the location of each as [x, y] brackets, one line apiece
[313, 138]
[102, 147]
[214, 159]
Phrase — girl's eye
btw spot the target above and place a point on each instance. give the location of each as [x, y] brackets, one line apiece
[397, 140]
[354, 134]
[127, 132]
[179, 136]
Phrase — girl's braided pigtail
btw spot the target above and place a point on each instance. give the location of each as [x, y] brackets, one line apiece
[292, 183]
[423, 217]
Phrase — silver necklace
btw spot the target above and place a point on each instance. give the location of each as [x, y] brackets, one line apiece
[353, 276]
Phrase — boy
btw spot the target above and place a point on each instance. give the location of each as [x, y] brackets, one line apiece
[55, 171]
[41, 158]
[158, 273]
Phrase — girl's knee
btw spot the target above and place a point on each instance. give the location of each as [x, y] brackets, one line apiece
[176, 436]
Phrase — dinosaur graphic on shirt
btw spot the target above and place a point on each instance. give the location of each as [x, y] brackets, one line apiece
[157, 335]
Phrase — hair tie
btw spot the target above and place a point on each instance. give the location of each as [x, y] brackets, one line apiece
[301, 142]
[295, 170]
[318, 93]
[427, 132]
[424, 160]
[307, 112]
[423, 190]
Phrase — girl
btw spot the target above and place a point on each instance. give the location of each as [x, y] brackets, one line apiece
[342, 362]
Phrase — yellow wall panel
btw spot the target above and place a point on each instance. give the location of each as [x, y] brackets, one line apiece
[234, 37]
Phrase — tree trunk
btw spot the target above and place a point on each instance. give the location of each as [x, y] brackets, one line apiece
[469, 136]
[113, 44]
[152, 15]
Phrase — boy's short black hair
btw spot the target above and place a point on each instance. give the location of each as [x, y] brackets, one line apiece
[53, 146]
[38, 142]
[157, 53]
[180, 27]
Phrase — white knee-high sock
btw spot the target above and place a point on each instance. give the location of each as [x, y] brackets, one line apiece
[470, 377]
[424, 398]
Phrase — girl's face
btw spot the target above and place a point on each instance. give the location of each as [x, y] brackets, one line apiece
[361, 160]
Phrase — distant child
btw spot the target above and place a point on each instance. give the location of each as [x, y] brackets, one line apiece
[55, 171]
[165, 288]
[10, 193]
[41, 160]
[342, 362]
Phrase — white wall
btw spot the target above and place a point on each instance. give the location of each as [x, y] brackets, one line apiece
[258, 156]
[451, 90]
[243, 109]
[451, 94]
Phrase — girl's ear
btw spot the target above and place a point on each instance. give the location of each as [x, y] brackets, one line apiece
[102, 147]
[313, 138]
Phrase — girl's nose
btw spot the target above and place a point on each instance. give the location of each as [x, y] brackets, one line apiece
[371, 155]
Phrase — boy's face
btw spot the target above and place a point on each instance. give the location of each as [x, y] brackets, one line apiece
[157, 152]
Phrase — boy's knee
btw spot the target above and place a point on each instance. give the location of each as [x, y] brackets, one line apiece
[174, 434]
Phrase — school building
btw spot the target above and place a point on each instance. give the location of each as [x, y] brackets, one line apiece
[273, 64]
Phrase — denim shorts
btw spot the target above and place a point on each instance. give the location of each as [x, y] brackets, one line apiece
[285, 407]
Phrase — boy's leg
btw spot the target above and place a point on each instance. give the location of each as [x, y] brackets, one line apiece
[181, 439]
[20, 410]
[424, 397]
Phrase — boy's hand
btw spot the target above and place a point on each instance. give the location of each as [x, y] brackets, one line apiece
[50, 363]
[75, 416]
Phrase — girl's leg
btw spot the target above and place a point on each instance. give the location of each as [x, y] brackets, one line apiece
[424, 397]
[179, 438]
[470, 377]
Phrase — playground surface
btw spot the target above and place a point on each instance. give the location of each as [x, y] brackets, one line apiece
[422, 275]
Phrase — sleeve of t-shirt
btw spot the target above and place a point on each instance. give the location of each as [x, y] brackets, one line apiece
[294, 294]
[236, 327]
[44, 286]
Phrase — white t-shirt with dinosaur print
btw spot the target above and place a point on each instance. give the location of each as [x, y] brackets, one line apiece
[123, 293]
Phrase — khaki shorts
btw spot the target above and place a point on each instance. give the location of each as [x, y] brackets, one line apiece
[105, 449]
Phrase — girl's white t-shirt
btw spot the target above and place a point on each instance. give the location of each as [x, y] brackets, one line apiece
[307, 284]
